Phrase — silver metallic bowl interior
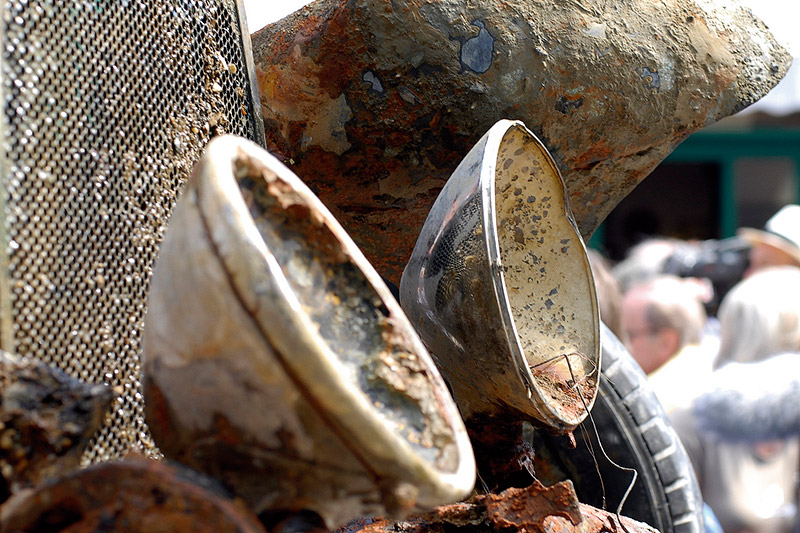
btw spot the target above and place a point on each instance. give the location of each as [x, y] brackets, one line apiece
[546, 280]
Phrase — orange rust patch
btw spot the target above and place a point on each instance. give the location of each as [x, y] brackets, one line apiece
[528, 507]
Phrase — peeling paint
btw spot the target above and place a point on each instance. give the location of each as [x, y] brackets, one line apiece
[667, 74]
[651, 78]
[375, 82]
[326, 128]
[596, 30]
[476, 53]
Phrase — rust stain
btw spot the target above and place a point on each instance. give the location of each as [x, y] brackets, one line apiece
[136, 494]
[389, 157]
[600, 151]
[528, 507]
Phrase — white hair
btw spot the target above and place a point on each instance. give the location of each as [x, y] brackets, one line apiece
[760, 317]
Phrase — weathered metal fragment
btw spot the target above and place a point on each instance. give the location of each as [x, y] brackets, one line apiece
[130, 495]
[532, 509]
[46, 420]
[500, 288]
[277, 360]
[376, 102]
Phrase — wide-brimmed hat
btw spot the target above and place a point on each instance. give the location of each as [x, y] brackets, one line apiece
[781, 231]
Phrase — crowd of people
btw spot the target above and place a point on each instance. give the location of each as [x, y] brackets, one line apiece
[728, 375]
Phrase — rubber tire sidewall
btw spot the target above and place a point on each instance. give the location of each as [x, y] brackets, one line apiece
[635, 433]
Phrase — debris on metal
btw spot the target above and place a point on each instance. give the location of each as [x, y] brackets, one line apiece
[278, 364]
[276, 360]
[376, 103]
[500, 288]
[535, 508]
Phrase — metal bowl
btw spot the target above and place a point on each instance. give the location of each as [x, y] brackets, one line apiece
[277, 360]
[500, 289]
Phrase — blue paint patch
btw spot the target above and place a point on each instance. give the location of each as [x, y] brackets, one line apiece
[371, 78]
[651, 77]
[408, 96]
[477, 52]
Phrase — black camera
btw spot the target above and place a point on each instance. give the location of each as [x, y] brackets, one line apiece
[722, 262]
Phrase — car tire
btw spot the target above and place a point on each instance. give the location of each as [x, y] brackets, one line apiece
[635, 433]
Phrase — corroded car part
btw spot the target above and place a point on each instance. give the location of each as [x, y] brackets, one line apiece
[534, 508]
[376, 102]
[635, 432]
[500, 288]
[277, 360]
[46, 421]
[132, 495]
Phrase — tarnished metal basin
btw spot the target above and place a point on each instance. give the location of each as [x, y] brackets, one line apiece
[277, 360]
[500, 288]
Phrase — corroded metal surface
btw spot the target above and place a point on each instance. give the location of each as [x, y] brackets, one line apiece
[46, 421]
[376, 102]
[500, 288]
[535, 508]
[277, 360]
[130, 495]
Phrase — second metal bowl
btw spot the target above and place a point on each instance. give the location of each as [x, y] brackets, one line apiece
[500, 288]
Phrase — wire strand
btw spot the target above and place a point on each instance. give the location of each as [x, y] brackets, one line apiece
[602, 449]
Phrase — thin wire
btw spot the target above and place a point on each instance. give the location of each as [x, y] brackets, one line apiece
[602, 449]
[589, 446]
[566, 356]
[483, 483]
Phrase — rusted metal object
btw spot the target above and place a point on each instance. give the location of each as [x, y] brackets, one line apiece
[532, 506]
[46, 420]
[535, 508]
[376, 103]
[276, 360]
[503, 456]
[130, 495]
[500, 288]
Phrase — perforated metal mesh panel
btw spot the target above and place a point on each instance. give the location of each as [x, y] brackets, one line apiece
[106, 106]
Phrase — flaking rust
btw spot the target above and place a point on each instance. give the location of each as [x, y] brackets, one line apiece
[277, 361]
[536, 508]
[46, 421]
[375, 103]
[135, 494]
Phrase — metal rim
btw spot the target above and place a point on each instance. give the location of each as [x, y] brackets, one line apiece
[496, 135]
[313, 363]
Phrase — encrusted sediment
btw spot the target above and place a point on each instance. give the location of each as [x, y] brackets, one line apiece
[375, 103]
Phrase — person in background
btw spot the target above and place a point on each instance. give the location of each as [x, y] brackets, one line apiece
[609, 295]
[644, 261]
[751, 486]
[664, 320]
[778, 244]
[752, 402]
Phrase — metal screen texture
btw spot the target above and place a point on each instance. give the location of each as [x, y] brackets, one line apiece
[107, 104]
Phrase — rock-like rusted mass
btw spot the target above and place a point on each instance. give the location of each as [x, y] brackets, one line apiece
[46, 420]
[534, 508]
[136, 494]
[376, 102]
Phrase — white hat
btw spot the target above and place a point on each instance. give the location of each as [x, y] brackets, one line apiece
[781, 231]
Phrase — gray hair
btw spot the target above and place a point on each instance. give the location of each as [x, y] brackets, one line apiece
[674, 303]
[760, 317]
